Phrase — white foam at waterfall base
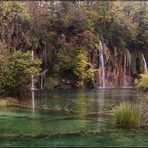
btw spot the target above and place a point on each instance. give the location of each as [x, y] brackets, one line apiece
[101, 67]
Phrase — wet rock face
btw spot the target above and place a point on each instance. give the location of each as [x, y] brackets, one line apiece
[116, 68]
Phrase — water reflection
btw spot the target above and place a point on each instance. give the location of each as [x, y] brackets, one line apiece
[101, 103]
[44, 96]
[33, 104]
[81, 104]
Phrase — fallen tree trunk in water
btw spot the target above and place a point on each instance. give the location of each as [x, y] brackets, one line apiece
[62, 109]
[80, 115]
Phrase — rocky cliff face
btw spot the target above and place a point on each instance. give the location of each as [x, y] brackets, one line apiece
[113, 67]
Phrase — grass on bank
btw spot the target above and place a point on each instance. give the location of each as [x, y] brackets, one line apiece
[127, 114]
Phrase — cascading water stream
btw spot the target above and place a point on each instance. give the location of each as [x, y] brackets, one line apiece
[145, 65]
[101, 67]
[32, 88]
[43, 74]
[124, 73]
[43, 77]
[32, 77]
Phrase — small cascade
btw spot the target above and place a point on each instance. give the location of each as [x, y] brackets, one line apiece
[145, 65]
[43, 74]
[101, 67]
[43, 78]
[124, 73]
[127, 80]
[32, 79]
[32, 87]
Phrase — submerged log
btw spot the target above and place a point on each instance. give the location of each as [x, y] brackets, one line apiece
[80, 115]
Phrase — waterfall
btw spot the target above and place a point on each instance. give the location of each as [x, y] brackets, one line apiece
[32, 77]
[124, 73]
[145, 65]
[101, 67]
[43, 74]
[32, 87]
[43, 77]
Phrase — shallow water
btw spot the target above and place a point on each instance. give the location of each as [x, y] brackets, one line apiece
[45, 122]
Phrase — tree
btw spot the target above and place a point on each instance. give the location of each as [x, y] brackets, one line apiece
[14, 22]
[81, 69]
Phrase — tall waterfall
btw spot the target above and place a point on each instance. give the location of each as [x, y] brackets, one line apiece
[145, 65]
[32, 88]
[101, 67]
[32, 77]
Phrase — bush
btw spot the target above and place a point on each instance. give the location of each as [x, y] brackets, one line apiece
[142, 83]
[127, 114]
[15, 72]
[51, 83]
[81, 62]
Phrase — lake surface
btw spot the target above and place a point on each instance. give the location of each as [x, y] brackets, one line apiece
[50, 119]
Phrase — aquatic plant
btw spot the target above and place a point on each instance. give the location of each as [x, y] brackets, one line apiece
[127, 114]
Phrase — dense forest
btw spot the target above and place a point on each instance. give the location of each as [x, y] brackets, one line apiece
[78, 44]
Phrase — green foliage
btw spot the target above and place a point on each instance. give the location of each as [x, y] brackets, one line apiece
[13, 12]
[51, 83]
[16, 71]
[76, 21]
[65, 64]
[81, 66]
[142, 83]
[15, 22]
[127, 114]
[74, 66]
[63, 29]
